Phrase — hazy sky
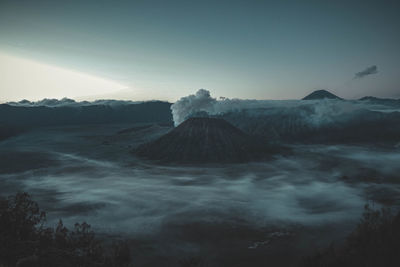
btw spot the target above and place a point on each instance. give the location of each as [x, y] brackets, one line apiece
[167, 49]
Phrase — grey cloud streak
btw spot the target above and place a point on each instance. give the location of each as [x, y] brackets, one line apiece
[368, 71]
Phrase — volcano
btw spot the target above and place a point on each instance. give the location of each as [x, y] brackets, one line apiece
[321, 94]
[205, 140]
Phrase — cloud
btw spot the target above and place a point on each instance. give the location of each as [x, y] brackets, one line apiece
[368, 71]
[313, 113]
[184, 107]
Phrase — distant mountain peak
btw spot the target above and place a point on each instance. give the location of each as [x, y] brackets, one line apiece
[321, 94]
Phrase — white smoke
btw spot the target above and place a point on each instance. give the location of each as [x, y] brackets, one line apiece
[184, 107]
[203, 102]
[314, 112]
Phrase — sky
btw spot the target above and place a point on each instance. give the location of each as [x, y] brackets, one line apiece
[143, 50]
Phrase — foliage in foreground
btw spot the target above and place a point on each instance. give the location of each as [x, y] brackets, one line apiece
[375, 242]
[25, 241]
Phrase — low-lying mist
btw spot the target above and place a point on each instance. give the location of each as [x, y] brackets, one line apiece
[313, 186]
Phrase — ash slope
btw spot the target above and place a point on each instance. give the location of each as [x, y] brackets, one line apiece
[206, 140]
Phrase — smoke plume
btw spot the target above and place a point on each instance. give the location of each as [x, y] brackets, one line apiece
[316, 112]
[184, 107]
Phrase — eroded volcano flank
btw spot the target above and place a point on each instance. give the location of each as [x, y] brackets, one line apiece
[206, 140]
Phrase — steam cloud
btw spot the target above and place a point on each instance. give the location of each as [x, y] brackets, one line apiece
[201, 101]
[368, 71]
[315, 113]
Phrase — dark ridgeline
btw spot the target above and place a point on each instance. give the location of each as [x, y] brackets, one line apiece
[16, 119]
[206, 140]
[381, 101]
[152, 111]
[321, 94]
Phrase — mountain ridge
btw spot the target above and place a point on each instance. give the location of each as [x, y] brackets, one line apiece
[321, 94]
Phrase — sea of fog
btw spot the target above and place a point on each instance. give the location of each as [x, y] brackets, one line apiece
[75, 175]
[90, 174]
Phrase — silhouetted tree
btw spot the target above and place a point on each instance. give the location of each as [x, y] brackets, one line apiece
[24, 241]
[21, 223]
